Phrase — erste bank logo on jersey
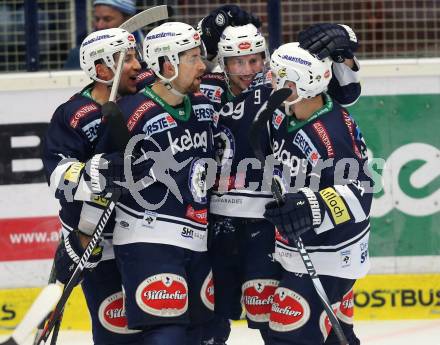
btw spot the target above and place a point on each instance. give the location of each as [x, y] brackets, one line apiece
[159, 123]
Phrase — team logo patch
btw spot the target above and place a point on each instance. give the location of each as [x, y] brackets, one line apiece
[149, 219]
[159, 123]
[197, 181]
[345, 258]
[82, 112]
[324, 322]
[164, 295]
[224, 146]
[303, 142]
[207, 292]
[277, 118]
[112, 314]
[290, 311]
[258, 298]
[199, 216]
[346, 309]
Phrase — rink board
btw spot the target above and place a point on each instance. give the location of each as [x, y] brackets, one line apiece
[377, 297]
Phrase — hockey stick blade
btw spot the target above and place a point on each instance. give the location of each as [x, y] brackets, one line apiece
[274, 101]
[41, 307]
[147, 17]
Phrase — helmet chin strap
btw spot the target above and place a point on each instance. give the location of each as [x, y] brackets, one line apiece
[173, 90]
[287, 105]
[168, 85]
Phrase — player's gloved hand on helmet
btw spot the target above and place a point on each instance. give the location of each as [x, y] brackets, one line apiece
[212, 26]
[296, 214]
[68, 255]
[335, 40]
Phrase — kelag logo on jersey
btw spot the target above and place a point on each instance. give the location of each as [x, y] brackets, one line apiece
[277, 118]
[303, 142]
[204, 112]
[188, 141]
[159, 123]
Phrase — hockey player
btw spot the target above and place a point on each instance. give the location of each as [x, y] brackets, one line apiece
[320, 158]
[243, 243]
[160, 235]
[70, 141]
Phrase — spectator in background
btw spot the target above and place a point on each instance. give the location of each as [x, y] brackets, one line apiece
[107, 14]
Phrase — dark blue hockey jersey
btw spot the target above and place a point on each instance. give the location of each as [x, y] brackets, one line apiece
[326, 153]
[172, 203]
[231, 125]
[70, 141]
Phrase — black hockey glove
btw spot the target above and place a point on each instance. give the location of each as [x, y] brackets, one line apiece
[296, 214]
[103, 175]
[334, 40]
[212, 26]
[68, 255]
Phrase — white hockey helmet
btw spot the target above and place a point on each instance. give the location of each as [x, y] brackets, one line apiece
[168, 40]
[102, 45]
[291, 63]
[239, 41]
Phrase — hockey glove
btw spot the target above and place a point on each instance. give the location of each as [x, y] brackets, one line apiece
[296, 214]
[212, 26]
[335, 40]
[102, 175]
[68, 255]
[105, 172]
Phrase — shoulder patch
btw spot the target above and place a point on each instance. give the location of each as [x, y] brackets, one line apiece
[351, 131]
[322, 133]
[137, 115]
[277, 118]
[212, 92]
[303, 142]
[338, 209]
[203, 112]
[159, 123]
[81, 113]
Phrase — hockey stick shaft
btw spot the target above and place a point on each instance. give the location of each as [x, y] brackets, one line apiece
[51, 280]
[41, 307]
[79, 268]
[274, 101]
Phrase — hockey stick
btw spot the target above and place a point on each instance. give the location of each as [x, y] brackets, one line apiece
[147, 17]
[79, 269]
[42, 306]
[52, 279]
[274, 101]
[119, 132]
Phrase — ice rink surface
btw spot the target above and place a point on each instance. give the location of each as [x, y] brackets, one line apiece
[413, 332]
